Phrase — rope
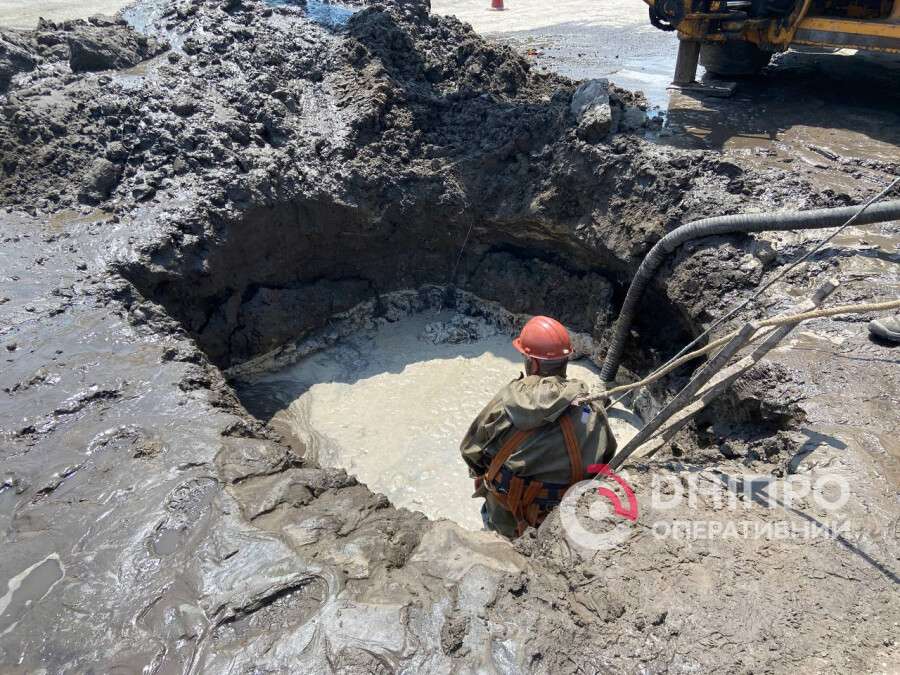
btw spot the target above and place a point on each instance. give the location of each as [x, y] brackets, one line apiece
[761, 325]
[679, 359]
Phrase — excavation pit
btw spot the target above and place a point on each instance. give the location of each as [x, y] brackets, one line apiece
[390, 403]
[269, 173]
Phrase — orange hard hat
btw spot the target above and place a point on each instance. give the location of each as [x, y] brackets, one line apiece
[545, 339]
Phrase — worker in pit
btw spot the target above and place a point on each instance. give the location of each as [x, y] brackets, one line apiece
[531, 442]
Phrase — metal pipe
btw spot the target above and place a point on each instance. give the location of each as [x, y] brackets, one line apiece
[686, 62]
[757, 222]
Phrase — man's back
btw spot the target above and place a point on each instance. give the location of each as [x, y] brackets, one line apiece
[535, 405]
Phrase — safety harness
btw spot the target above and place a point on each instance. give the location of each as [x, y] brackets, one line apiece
[527, 499]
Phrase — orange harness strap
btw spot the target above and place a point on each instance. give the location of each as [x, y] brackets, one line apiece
[507, 449]
[519, 500]
[573, 448]
[531, 512]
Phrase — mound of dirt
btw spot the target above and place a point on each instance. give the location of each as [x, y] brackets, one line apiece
[99, 43]
[15, 58]
[398, 129]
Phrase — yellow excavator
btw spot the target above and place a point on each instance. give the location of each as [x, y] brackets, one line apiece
[733, 38]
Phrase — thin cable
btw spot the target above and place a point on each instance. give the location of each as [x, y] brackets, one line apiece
[462, 248]
[759, 291]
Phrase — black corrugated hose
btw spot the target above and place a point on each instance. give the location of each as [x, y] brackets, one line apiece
[757, 222]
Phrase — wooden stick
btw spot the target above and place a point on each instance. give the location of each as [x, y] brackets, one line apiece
[684, 397]
[724, 379]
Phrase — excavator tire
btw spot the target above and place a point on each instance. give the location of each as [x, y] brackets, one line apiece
[733, 59]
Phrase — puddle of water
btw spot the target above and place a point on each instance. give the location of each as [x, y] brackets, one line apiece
[145, 17]
[67, 218]
[135, 77]
[143, 14]
[324, 13]
[27, 588]
[391, 407]
[868, 239]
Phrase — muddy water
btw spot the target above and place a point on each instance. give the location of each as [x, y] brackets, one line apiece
[391, 406]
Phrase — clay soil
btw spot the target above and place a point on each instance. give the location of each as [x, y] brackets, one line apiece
[239, 178]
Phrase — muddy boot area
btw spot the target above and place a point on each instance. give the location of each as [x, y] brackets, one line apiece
[390, 405]
[260, 266]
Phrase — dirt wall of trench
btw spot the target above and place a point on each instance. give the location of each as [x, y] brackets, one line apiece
[281, 272]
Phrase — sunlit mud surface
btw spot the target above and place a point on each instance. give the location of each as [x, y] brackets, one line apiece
[25, 13]
[581, 40]
[391, 405]
[27, 588]
[325, 13]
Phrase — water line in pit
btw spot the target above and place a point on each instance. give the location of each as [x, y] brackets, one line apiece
[391, 404]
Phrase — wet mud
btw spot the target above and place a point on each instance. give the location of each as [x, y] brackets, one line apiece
[27, 588]
[260, 189]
